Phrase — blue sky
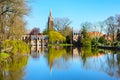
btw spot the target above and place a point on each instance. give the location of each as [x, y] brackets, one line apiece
[78, 11]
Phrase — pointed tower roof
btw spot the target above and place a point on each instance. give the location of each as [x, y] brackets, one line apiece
[50, 12]
[50, 16]
[50, 21]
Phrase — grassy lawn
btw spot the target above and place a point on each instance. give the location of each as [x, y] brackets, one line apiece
[59, 44]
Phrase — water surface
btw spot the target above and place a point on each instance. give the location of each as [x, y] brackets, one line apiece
[60, 63]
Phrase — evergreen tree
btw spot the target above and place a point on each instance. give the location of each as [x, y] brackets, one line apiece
[86, 41]
[102, 40]
[84, 32]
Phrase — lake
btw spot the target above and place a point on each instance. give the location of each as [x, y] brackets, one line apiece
[63, 63]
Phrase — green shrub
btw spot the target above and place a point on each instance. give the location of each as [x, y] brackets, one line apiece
[56, 36]
[3, 56]
[18, 46]
[94, 42]
[86, 42]
[102, 40]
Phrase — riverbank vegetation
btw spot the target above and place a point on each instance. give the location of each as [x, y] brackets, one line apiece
[55, 36]
[105, 33]
[4, 56]
[18, 47]
[61, 33]
[14, 47]
[12, 27]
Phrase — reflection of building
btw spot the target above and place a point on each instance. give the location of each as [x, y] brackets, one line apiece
[37, 50]
[76, 53]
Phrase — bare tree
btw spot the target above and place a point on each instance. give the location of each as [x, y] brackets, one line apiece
[88, 26]
[111, 27]
[63, 26]
[61, 23]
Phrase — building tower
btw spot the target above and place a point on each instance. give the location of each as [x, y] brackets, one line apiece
[50, 22]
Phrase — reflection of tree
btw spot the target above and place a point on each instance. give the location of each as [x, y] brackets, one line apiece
[13, 68]
[79, 49]
[86, 52]
[95, 51]
[69, 53]
[113, 63]
[108, 63]
[118, 63]
[54, 54]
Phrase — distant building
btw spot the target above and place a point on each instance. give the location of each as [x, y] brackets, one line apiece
[36, 40]
[109, 37]
[76, 35]
[76, 38]
[95, 34]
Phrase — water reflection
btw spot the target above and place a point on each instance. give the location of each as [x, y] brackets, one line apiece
[92, 59]
[113, 65]
[64, 60]
[14, 68]
[101, 61]
[53, 56]
[37, 50]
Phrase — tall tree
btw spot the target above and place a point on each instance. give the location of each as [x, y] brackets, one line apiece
[55, 36]
[86, 41]
[118, 35]
[11, 18]
[84, 31]
[111, 27]
[62, 25]
[118, 20]
[88, 26]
